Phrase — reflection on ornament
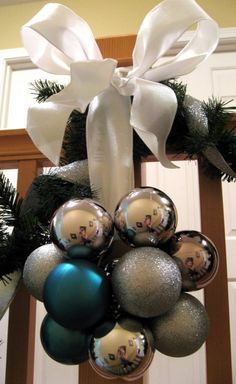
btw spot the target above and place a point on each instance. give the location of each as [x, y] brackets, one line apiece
[64, 345]
[146, 282]
[83, 227]
[77, 294]
[38, 266]
[145, 217]
[182, 330]
[197, 258]
[121, 353]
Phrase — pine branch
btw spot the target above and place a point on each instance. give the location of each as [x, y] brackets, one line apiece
[10, 202]
[27, 232]
[74, 143]
[43, 89]
[53, 191]
[179, 89]
[27, 235]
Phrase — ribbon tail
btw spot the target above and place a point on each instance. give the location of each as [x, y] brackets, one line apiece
[46, 127]
[110, 147]
[152, 115]
[214, 157]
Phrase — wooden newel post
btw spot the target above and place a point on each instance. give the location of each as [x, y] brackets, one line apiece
[216, 294]
[22, 314]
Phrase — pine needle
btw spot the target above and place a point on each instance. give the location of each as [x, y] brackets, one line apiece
[43, 89]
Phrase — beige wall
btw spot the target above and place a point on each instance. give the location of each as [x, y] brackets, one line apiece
[105, 17]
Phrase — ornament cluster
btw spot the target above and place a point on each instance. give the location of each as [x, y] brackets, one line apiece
[115, 311]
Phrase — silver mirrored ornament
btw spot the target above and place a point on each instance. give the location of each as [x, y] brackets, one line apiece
[82, 227]
[121, 353]
[37, 267]
[182, 330]
[145, 217]
[197, 258]
[146, 282]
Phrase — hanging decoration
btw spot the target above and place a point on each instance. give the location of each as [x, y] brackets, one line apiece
[114, 312]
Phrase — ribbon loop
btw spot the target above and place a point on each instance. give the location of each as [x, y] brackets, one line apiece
[55, 37]
[60, 42]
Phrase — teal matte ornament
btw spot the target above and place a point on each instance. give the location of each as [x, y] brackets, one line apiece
[64, 345]
[77, 294]
[103, 328]
[80, 252]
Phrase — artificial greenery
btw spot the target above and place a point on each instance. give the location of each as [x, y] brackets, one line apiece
[182, 139]
[10, 202]
[74, 143]
[30, 218]
[43, 89]
[20, 233]
[48, 192]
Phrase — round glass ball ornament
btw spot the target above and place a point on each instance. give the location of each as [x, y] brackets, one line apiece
[197, 258]
[146, 282]
[37, 267]
[121, 353]
[64, 345]
[145, 217]
[77, 294]
[82, 227]
[182, 330]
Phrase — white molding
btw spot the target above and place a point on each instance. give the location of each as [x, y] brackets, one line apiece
[18, 59]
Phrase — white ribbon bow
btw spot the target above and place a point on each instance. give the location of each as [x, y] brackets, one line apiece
[60, 42]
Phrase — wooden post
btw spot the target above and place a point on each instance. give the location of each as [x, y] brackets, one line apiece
[22, 313]
[216, 294]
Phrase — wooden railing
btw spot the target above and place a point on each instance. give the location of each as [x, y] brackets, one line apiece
[17, 151]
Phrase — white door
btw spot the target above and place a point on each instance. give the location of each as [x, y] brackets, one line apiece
[216, 76]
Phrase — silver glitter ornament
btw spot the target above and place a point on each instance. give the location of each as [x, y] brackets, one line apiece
[73, 172]
[145, 217]
[38, 266]
[8, 289]
[182, 330]
[196, 119]
[82, 227]
[197, 258]
[146, 282]
[121, 353]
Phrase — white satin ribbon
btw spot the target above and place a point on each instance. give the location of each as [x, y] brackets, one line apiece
[60, 42]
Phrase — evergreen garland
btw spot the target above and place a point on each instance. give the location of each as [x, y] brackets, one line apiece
[48, 192]
[181, 139]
